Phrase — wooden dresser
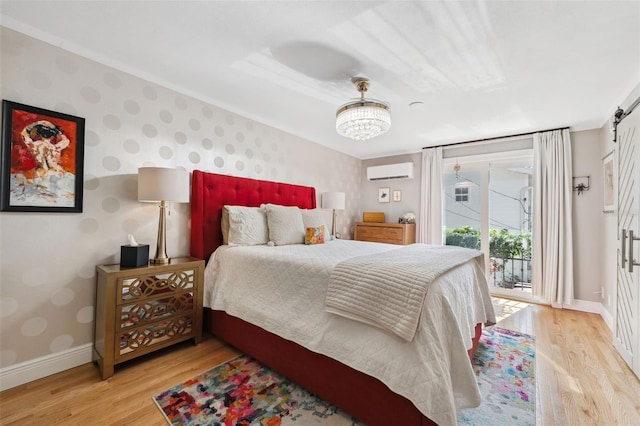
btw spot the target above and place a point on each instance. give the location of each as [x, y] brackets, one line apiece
[140, 310]
[392, 233]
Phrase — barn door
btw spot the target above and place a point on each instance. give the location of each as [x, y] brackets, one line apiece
[627, 328]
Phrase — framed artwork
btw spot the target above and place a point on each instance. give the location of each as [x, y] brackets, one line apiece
[397, 195]
[42, 160]
[608, 183]
[383, 195]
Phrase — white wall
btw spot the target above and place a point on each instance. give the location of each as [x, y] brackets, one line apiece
[410, 189]
[47, 275]
[588, 236]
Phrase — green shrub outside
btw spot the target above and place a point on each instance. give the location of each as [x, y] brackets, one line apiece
[502, 243]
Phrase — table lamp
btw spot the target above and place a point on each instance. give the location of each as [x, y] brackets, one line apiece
[162, 185]
[333, 201]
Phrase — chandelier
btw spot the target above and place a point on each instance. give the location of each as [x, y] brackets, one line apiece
[365, 118]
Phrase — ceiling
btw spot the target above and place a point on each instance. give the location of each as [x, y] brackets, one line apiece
[452, 71]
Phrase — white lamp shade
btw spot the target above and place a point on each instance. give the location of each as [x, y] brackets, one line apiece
[333, 200]
[157, 184]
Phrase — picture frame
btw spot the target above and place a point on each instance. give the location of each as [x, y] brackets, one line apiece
[397, 195]
[383, 195]
[609, 183]
[42, 156]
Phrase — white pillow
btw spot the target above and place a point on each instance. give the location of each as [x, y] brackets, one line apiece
[247, 226]
[285, 225]
[313, 218]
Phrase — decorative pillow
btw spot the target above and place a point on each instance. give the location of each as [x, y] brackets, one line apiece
[247, 226]
[315, 217]
[314, 235]
[285, 225]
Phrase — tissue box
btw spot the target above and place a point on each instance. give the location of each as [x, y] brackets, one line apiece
[134, 256]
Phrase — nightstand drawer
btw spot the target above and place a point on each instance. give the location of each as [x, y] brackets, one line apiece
[145, 311]
[145, 286]
[141, 340]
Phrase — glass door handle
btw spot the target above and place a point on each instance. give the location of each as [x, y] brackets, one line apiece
[623, 243]
[631, 239]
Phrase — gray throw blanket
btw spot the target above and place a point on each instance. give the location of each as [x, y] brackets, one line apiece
[388, 289]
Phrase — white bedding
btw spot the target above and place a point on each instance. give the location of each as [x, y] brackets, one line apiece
[282, 289]
[388, 289]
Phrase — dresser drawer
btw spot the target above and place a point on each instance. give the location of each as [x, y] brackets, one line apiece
[390, 233]
[368, 233]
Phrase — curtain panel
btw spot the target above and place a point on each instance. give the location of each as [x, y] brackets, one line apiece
[431, 197]
[552, 237]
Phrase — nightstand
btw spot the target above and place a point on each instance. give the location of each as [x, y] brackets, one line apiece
[392, 233]
[141, 310]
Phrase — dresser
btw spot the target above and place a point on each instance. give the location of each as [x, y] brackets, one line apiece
[141, 310]
[392, 233]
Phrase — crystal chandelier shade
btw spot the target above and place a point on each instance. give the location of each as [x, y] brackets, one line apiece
[365, 118]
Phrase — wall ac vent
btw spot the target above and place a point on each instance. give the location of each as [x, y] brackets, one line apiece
[390, 171]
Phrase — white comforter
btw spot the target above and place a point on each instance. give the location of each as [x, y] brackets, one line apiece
[282, 289]
[388, 289]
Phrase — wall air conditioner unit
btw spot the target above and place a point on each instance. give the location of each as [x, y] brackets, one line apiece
[390, 171]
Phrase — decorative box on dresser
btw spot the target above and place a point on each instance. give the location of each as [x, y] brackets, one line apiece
[392, 233]
[140, 310]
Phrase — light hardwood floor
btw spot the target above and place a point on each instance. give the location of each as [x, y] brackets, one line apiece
[580, 378]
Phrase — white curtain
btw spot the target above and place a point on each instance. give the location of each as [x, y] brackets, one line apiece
[431, 202]
[552, 237]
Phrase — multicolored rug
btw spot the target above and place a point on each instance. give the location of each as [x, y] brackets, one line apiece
[242, 392]
[505, 368]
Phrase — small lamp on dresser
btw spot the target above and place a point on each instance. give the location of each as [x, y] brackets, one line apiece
[333, 201]
[162, 185]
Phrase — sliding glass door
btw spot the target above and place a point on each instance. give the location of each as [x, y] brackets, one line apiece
[487, 206]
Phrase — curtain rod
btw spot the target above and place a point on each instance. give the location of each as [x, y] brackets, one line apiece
[495, 138]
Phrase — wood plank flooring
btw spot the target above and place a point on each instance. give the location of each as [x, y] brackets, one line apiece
[580, 378]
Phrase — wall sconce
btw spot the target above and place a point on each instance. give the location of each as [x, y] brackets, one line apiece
[581, 184]
[162, 185]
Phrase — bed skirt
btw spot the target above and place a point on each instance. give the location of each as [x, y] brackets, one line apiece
[362, 396]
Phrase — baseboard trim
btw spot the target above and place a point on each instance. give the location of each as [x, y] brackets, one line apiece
[592, 307]
[28, 371]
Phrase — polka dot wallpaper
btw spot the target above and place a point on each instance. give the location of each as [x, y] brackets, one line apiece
[47, 276]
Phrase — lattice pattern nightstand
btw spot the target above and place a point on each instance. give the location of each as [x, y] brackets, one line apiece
[140, 310]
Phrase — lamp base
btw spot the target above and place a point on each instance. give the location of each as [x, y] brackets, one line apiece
[161, 248]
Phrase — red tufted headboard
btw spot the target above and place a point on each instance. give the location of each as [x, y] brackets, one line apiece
[211, 191]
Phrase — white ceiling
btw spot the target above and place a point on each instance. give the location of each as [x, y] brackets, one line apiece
[478, 69]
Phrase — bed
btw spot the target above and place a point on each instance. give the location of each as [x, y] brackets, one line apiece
[317, 368]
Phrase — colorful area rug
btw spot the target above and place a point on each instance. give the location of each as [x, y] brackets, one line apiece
[242, 392]
[504, 364]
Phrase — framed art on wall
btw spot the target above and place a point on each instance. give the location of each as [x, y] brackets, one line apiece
[383, 195]
[608, 183]
[397, 195]
[42, 160]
